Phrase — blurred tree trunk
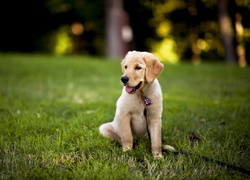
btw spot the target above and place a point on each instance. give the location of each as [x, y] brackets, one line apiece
[226, 31]
[116, 20]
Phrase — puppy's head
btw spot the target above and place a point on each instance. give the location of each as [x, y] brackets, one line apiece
[139, 68]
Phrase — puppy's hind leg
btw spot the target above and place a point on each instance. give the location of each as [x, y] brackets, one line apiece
[107, 130]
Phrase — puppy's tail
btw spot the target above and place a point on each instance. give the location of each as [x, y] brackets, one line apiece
[168, 147]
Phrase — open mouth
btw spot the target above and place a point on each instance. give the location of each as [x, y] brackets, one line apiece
[130, 89]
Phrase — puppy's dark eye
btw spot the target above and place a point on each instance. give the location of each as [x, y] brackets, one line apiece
[125, 67]
[137, 68]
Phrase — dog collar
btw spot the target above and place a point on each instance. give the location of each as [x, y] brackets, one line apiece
[147, 101]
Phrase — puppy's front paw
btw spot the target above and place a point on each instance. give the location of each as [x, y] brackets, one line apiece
[157, 155]
[127, 148]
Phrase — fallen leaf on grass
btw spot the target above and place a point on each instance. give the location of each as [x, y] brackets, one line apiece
[192, 137]
[222, 122]
[244, 147]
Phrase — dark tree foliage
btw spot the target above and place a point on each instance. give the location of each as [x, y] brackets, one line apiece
[139, 17]
[24, 24]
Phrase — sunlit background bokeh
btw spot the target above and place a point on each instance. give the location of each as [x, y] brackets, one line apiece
[174, 30]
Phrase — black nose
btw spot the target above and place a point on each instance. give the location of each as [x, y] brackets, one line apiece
[124, 79]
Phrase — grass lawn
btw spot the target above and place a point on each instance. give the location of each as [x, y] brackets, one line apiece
[51, 109]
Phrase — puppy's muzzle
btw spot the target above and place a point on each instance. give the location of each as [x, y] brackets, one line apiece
[124, 79]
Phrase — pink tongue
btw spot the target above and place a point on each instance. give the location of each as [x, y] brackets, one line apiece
[129, 89]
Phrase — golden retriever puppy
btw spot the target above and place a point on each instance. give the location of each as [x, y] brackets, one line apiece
[141, 90]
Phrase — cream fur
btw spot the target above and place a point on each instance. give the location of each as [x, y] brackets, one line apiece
[129, 121]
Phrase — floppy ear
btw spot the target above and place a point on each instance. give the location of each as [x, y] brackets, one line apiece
[153, 66]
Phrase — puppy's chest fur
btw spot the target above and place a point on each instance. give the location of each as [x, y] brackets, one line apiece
[131, 103]
[134, 106]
